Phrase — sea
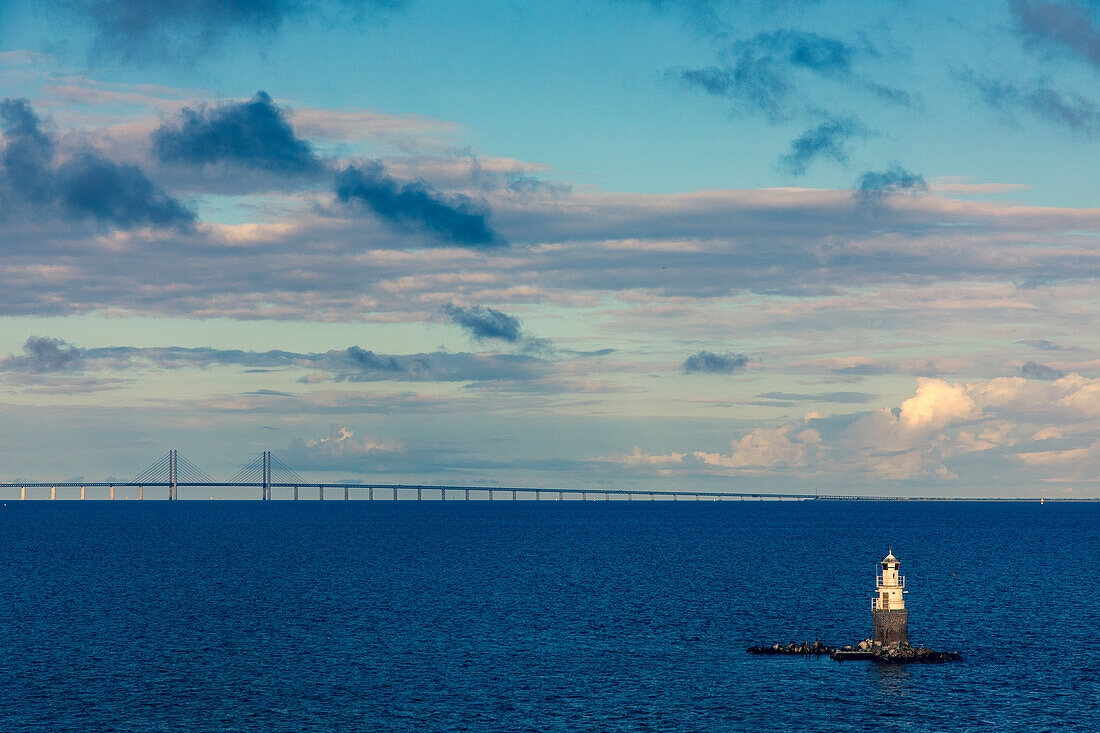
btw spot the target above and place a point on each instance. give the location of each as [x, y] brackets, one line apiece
[540, 616]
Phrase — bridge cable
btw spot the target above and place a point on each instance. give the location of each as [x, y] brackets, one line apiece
[286, 475]
[254, 472]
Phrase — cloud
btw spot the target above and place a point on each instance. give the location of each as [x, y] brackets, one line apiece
[45, 356]
[455, 219]
[1034, 370]
[341, 449]
[593, 244]
[353, 364]
[874, 187]
[1068, 25]
[485, 324]
[1068, 109]
[825, 140]
[1041, 344]
[946, 433]
[368, 361]
[767, 448]
[762, 73]
[838, 397]
[707, 362]
[87, 186]
[169, 29]
[253, 133]
[28, 151]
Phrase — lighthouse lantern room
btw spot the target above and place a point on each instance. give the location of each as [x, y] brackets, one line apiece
[888, 612]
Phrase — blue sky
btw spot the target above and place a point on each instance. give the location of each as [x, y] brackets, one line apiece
[720, 244]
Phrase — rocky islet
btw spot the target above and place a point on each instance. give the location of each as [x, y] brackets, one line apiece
[903, 653]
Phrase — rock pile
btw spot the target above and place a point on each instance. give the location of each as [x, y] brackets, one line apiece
[907, 654]
[815, 647]
[866, 649]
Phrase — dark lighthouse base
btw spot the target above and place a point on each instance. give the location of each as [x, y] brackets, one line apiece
[891, 626]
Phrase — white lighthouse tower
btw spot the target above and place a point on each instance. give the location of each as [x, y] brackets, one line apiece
[888, 612]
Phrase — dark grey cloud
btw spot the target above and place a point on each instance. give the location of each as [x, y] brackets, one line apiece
[1041, 344]
[1068, 25]
[28, 151]
[825, 140]
[454, 219]
[866, 370]
[254, 133]
[708, 362]
[43, 355]
[761, 73]
[596, 352]
[485, 324]
[87, 186]
[836, 397]
[1034, 370]
[874, 187]
[365, 360]
[1068, 109]
[353, 364]
[171, 29]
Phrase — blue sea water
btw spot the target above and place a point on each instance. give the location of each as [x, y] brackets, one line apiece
[550, 616]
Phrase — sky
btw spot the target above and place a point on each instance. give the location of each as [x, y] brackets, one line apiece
[727, 245]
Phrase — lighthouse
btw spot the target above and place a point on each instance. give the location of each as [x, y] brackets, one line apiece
[891, 618]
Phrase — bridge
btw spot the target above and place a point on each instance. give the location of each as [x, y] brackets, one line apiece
[173, 472]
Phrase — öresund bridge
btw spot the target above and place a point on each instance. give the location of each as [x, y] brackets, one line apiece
[267, 475]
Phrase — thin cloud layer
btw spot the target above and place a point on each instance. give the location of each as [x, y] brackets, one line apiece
[170, 29]
[1067, 109]
[1068, 25]
[764, 73]
[827, 139]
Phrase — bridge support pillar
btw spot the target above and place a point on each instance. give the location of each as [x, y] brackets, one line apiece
[53, 493]
[419, 493]
[538, 495]
[82, 493]
[490, 494]
[370, 494]
[23, 493]
[112, 493]
[141, 492]
[345, 493]
[320, 493]
[467, 494]
[606, 496]
[443, 494]
[513, 494]
[295, 493]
